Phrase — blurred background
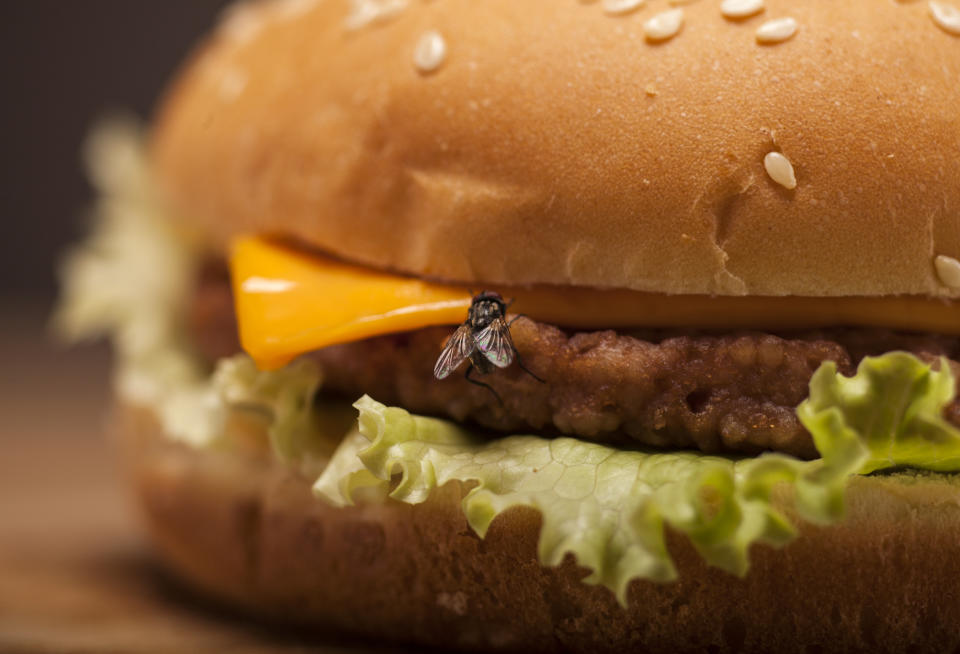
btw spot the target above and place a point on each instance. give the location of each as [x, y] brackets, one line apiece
[75, 573]
[63, 64]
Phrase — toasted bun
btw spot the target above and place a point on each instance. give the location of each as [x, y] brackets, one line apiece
[250, 532]
[555, 144]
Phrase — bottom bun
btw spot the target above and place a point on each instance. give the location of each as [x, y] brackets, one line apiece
[248, 531]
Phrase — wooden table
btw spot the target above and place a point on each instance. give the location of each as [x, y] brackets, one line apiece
[75, 574]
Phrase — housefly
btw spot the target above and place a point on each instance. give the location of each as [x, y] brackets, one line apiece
[484, 339]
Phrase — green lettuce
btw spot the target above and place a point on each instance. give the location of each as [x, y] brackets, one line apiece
[891, 413]
[129, 281]
[283, 398]
[608, 507]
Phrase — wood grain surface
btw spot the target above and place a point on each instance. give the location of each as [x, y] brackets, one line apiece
[75, 574]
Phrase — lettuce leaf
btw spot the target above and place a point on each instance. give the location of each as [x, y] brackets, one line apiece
[889, 414]
[284, 399]
[606, 506]
[129, 281]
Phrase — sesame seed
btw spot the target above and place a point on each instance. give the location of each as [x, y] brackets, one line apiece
[241, 22]
[290, 9]
[948, 270]
[740, 8]
[430, 52]
[777, 30]
[780, 170]
[366, 12]
[664, 25]
[946, 16]
[232, 84]
[361, 14]
[621, 7]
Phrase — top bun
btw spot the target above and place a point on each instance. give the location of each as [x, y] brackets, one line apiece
[555, 143]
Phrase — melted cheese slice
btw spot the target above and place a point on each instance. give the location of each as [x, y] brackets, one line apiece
[289, 302]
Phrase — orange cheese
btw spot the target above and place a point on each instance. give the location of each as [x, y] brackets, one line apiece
[289, 302]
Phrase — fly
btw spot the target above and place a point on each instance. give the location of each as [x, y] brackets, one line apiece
[484, 339]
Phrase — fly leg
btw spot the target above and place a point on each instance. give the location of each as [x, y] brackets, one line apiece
[527, 370]
[517, 354]
[477, 382]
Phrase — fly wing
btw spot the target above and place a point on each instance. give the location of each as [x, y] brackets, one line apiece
[459, 346]
[494, 342]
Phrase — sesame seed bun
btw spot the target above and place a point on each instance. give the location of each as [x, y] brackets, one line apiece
[546, 142]
[250, 532]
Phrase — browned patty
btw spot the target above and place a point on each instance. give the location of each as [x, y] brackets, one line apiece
[734, 392]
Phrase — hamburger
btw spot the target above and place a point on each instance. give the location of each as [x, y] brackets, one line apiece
[730, 233]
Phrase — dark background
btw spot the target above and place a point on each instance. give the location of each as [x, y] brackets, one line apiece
[63, 63]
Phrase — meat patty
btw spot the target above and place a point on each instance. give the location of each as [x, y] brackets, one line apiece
[715, 393]
[734, 392]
